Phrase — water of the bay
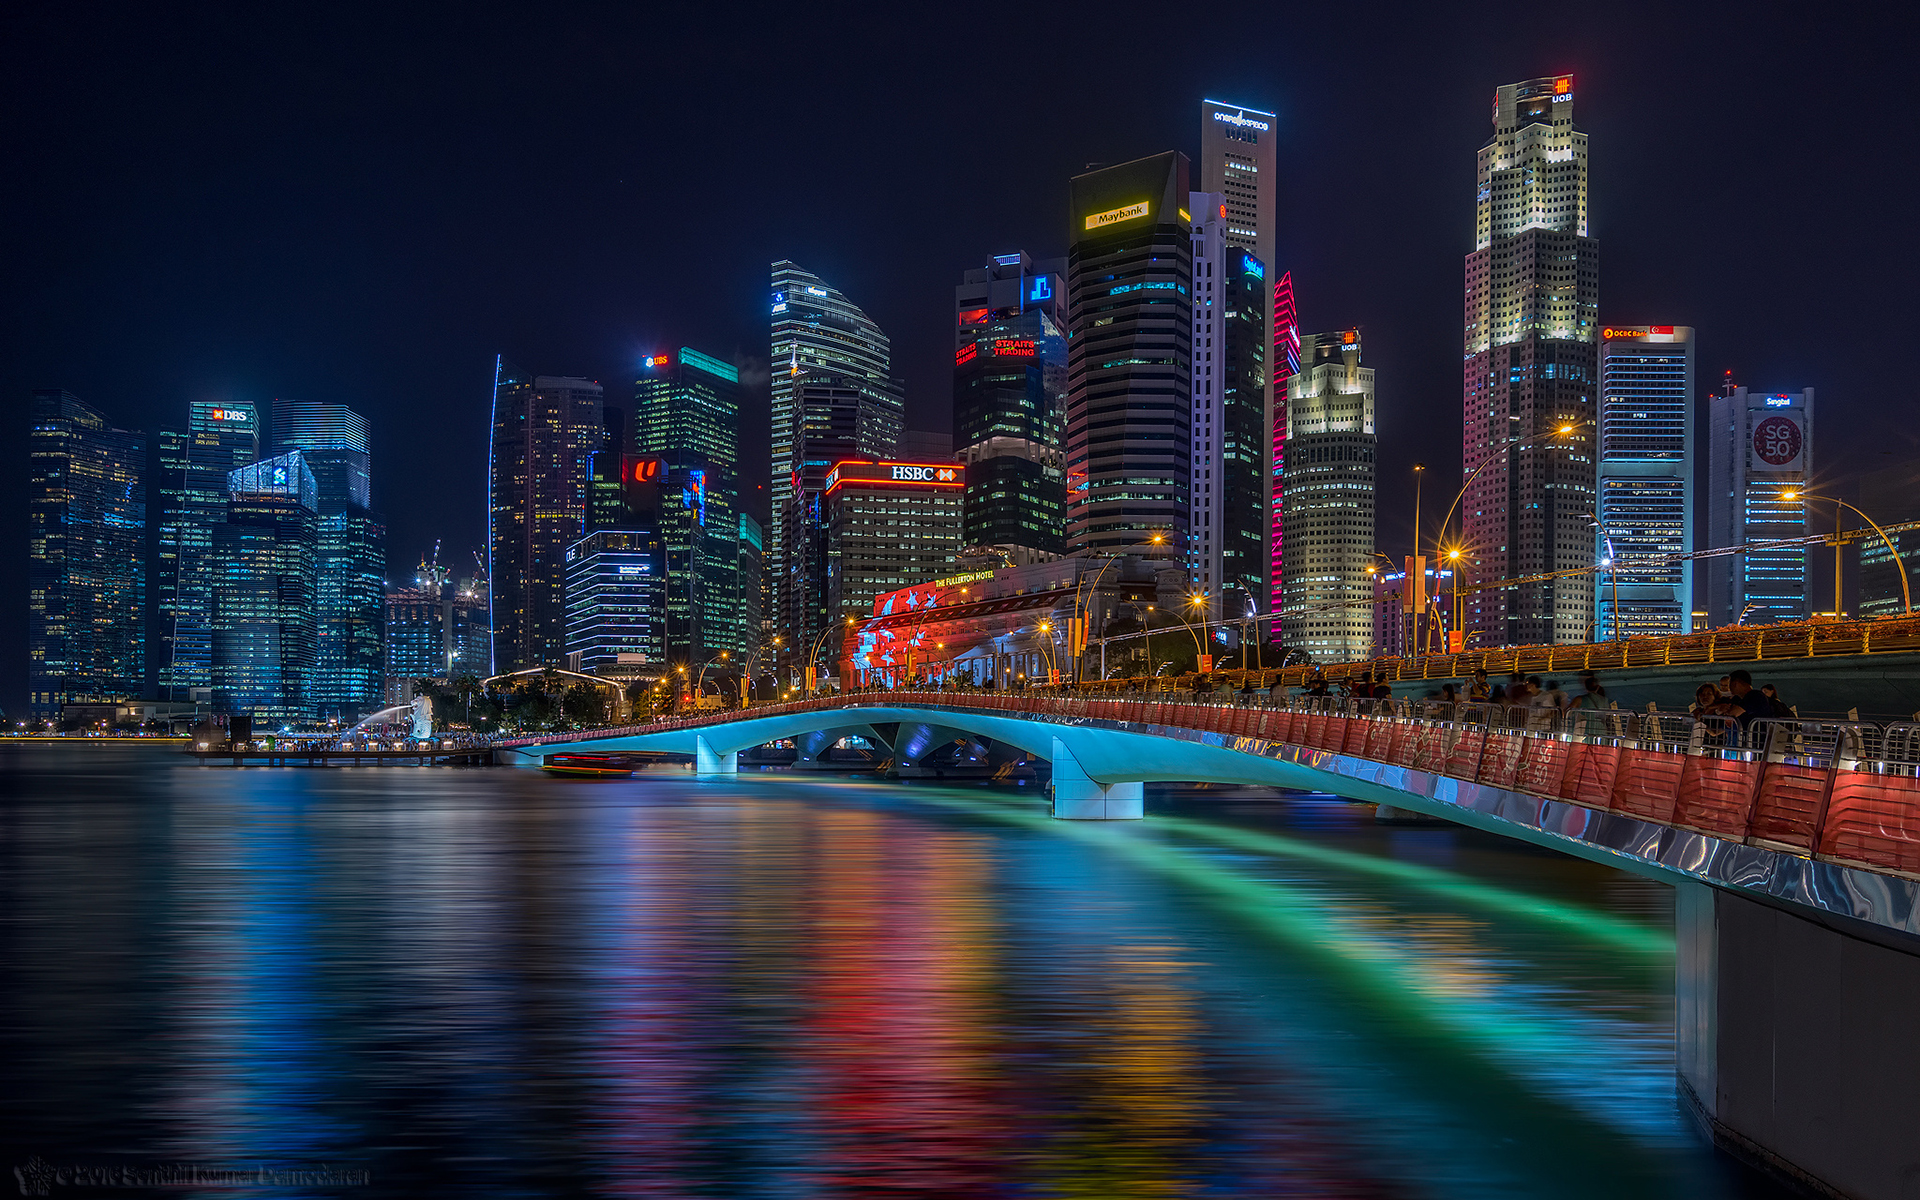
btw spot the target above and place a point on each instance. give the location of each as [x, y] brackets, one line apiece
[494, 982]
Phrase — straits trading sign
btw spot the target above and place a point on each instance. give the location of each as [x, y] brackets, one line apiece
[1113, 216]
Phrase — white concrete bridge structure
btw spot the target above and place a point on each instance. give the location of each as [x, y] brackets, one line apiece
[1794, 848]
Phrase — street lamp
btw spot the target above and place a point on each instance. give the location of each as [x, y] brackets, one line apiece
[1083, 593]
[814, 654]
[1906, 597]
[1196, 601]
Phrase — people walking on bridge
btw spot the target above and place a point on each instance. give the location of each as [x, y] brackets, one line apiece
[1592, 697]
[1776, 707]
[1479, 692]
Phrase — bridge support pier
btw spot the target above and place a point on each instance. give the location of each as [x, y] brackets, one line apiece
[1077, 797]
[708, 761]
[1795, 1041]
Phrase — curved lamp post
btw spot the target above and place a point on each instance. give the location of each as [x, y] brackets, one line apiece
[1906, 596]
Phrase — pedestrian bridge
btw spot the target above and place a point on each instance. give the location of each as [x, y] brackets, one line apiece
[1794, 848]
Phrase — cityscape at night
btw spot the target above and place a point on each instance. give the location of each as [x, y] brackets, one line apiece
[848, 604]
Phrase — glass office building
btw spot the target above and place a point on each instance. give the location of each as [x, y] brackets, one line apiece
[1009, 404]
[264, 605]
[86, 561]
[1644, 481]
[1760, 452]
[190, 492]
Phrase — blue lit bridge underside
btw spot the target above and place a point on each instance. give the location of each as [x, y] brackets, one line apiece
[1795, 979]
[1098, 767]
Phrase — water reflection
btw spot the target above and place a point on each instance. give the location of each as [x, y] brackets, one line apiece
[492, 982]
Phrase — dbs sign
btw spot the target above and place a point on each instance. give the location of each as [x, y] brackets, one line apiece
[1778, 444]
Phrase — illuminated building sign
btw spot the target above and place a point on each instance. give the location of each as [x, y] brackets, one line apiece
[816, 291]
[1011, 348]
[1613, 332]
[694, 495]
[1113, 216]
[639, 569]
[1777, 444]
[1251, 266]
[965, 353]
[1241, 121]
[645, 470]
[1563, 86]
[1042, 288]
[657, 361]
[1124, 288]
[228, 414]
[943, 475]
[1779, 401]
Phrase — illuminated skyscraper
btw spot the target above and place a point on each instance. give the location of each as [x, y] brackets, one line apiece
[86, 578]
[1239, 160]
[191, 490]
[1130, 355]
[1227, 552]
[1759, 449]
[1645, 482]
[1530, 371]
[351, 558]
[1329, 501]
[265, 626]
[687, 414]
[822, 342]
[1010, 401]
[546, 431]
[1283, 365]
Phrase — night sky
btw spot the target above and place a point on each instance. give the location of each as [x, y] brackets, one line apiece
[360, 205]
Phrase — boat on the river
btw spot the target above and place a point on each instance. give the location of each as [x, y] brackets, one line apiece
[588, 766]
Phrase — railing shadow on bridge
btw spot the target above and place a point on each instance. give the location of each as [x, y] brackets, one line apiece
[1846, 792]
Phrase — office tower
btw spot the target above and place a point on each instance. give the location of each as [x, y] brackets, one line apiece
[1129, 355]
[352, 555]
[436, 628]
[820, 339]
[1228, 553]
[86, 570]
[546, 430]
[1890, 496]
[1645, 480]
[1760, 447]
[1239, 161]
[1531, 362]
[889, 525]
[1283, 365]
[1400, 630]
[752, 570]
[264, 612]
[1010, 403]
[687, 414]
[190, 492]
[1329, 501]
[613, 600]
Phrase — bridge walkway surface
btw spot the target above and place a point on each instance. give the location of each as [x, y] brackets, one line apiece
[1794, 848]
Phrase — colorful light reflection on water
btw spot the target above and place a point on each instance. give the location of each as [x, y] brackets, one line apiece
[492, 982]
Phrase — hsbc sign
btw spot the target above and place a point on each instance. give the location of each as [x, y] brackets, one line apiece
[914, 474]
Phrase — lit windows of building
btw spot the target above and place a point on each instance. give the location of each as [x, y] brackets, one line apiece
[1130, 355]
[1760, 453]
[1644, 483]
[1329, 498]
[1009, 404]
[1532, 292]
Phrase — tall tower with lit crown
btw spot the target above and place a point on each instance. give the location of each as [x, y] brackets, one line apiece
[1530, 375]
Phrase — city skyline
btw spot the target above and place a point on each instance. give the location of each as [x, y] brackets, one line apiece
[1634, 199]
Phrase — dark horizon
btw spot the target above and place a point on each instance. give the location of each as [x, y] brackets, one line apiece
[339, 209]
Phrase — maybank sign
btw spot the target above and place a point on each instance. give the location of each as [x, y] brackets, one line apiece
[1240, 119]
[1114, 216]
